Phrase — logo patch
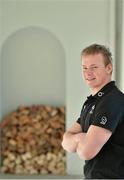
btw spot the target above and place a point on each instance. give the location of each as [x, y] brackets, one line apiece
[91, 111]
[103, 120]
[84, 107]
[100, 94]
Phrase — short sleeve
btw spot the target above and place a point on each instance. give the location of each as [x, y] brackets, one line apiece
[79, 120]
[108, 114]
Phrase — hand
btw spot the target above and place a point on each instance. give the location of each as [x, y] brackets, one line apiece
[79, 149]
[79, 137]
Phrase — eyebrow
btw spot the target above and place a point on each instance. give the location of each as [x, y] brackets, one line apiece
[90, 65]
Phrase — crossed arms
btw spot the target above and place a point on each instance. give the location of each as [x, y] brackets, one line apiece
[87, 145]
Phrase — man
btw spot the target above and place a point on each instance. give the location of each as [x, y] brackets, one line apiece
[98, 135]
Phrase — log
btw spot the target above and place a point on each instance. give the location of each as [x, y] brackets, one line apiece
[31, 140]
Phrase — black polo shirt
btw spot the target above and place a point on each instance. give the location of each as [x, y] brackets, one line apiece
[105, 109]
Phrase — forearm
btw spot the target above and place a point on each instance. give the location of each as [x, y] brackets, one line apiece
[71, 140]
[81, 150]
[69, 143]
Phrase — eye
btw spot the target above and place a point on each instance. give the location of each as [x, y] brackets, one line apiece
[85, 68]
[94, 67]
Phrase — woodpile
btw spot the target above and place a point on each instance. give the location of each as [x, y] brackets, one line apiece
[31, 141]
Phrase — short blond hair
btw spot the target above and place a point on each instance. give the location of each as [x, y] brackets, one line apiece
[98, 49]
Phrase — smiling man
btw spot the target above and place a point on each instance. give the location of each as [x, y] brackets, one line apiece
[98, 134]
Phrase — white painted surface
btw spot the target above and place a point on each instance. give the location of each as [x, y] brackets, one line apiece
[76, 24]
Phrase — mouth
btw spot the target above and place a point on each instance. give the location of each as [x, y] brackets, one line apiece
[90, 79]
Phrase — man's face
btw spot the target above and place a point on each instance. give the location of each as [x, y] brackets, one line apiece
[94, 71]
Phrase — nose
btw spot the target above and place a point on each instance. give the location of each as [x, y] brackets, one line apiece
[88, 71]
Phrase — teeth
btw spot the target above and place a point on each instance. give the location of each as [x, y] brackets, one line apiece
[90, 79]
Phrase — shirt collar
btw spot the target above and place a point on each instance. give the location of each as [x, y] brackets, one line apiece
[103, 91]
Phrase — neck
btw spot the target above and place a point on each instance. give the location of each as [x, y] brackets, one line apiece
[94, 90]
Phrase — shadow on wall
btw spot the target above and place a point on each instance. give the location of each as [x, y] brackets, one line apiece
[33, 69]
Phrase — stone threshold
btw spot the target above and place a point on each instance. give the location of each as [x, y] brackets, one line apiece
[45, 177]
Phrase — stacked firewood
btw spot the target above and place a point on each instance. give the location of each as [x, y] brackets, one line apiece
[31, 140]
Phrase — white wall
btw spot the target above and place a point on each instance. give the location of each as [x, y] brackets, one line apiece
[33, 69]
[123, 42]
[120, 43]
[122, 52]
[0, 61]
[76, 24]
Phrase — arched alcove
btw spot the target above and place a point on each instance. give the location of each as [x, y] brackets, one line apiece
[33, 69]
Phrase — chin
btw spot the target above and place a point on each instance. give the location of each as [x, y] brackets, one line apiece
[91, 84]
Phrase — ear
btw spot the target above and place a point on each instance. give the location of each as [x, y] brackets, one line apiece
[109, 68]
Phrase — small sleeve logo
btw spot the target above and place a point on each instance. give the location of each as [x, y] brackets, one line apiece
[103, 120]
